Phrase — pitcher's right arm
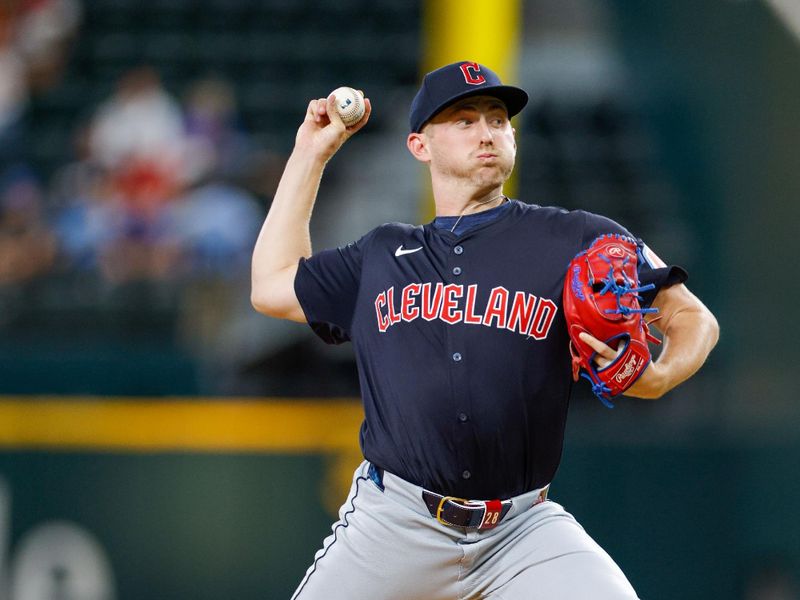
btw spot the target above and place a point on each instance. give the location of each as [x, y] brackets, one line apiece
[285, 238]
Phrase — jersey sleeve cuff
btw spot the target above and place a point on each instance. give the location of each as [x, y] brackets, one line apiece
[661, 278]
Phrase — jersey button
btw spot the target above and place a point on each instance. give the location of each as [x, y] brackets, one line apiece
[457, 356]
[458, 249]
[463, 417]
[456, 270]
[466, 474]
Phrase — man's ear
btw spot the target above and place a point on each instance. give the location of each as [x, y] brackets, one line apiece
[417, 144]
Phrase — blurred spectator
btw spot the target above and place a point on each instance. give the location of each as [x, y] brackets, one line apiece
[13, 94]
[219, 146]
[84, 224]
[138, 252]
[44, 30]
[140, 122]
[137, 136]
[13, 89]
[85, 212]
[216, 222]
[81, 198]
[99, 229]
[27, 246]
[136, 143]
[34, 37]
[215, 226]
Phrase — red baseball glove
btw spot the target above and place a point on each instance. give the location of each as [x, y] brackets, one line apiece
[601, 298]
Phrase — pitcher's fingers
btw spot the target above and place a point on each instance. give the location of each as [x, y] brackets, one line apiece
[333, 114]
[316, 109]
[602, 349]
[364, 119]
[311, 111]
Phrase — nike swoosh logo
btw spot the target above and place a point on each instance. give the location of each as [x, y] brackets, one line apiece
[401, 252]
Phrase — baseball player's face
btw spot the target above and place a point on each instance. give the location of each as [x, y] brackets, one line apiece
[471, 140]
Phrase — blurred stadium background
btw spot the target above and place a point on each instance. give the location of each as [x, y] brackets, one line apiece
[159, 440]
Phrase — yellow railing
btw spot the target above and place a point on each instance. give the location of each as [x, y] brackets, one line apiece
[164, 424]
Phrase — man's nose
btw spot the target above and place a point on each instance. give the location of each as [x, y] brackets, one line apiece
[487, 136]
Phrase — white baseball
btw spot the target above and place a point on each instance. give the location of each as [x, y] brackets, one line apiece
[349, 105]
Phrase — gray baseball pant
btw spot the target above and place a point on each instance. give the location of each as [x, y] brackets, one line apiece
[387, 546]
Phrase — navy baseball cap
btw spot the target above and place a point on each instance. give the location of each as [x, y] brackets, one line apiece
[445, 85]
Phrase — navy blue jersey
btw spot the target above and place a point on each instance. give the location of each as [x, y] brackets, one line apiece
[461, 344]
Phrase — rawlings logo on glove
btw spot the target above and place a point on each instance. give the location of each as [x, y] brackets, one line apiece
[601, 298]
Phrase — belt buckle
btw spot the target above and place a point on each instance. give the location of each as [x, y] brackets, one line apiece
[491, 511]
[440, 508]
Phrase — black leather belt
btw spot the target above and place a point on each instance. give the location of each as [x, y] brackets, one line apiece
[456, 512]
[470, 514]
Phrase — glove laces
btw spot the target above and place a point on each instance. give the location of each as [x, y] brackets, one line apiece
[620, 290]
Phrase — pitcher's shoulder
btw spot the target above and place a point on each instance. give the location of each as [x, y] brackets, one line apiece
[552, 214]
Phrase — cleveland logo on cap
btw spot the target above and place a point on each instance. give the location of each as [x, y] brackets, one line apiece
[472, 73]
[450, 83]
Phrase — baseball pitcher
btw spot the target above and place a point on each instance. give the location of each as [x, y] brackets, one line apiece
[466, 355]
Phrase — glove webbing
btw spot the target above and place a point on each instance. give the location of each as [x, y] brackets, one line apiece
[618, 290]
